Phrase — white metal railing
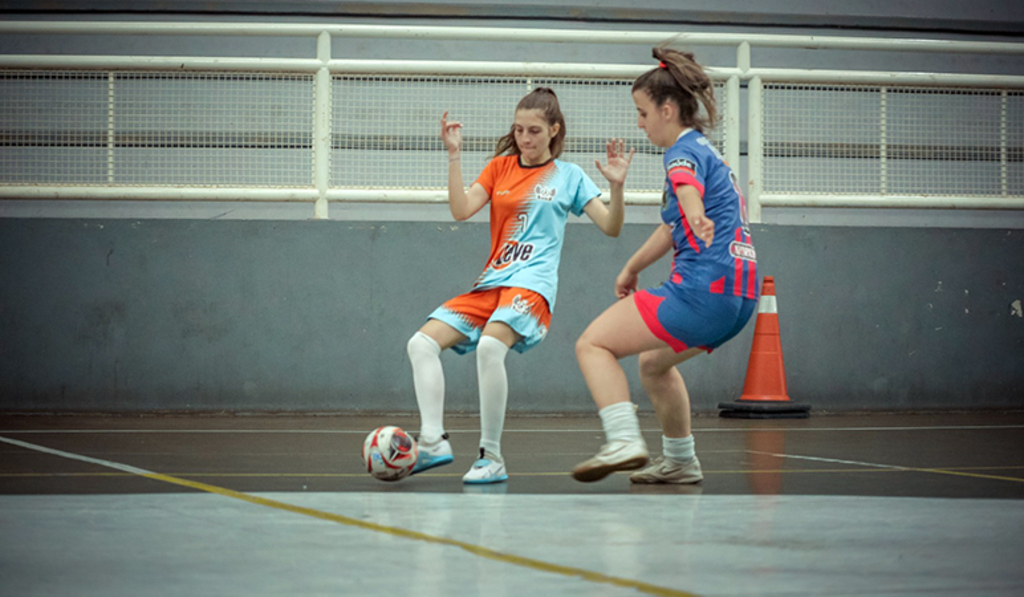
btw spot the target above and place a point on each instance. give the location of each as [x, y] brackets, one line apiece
[313, 139]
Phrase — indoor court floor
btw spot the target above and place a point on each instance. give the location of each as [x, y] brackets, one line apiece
[879, 504]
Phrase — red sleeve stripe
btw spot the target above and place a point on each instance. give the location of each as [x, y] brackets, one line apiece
[684, 176]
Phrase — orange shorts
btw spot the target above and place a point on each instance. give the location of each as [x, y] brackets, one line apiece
[525, 311]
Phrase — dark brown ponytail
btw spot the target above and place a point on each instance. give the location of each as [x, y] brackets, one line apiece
[680, 79]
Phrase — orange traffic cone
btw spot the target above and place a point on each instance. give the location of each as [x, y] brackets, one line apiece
[764, 391]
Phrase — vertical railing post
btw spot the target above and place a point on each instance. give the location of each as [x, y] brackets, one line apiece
[883, 147]
[1002, 145]
[322, 126]
[732, 124]
[110, 128]
[755, 149]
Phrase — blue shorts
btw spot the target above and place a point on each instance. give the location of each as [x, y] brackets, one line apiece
[684, 318]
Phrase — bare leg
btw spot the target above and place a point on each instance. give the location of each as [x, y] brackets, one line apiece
[666, 389]
[618, 332]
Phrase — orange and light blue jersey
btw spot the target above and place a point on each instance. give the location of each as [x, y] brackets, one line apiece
[729, 265]
[529, 209]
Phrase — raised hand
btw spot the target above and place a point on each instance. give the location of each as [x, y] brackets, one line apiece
[451, 134]
[618, 162]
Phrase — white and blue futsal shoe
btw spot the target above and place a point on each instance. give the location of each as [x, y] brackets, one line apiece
[488, 469]
[433, 455]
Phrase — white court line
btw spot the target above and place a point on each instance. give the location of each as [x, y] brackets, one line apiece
[595, 430]
[834, 460]
[107, 463]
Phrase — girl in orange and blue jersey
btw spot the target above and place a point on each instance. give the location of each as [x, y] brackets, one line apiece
[531, 193]
[708, 299]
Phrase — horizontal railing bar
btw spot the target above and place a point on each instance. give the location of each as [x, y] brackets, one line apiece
[509, 34]
[158, 193]
[180, 63]
[792, 75]
[441, 196]
[358, 67]
[893, 201]
[502, 69]
[177, 193]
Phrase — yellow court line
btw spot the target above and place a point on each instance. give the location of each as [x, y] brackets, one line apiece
[893, 467]
[477, 550]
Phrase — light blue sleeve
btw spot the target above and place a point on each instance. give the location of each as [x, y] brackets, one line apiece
[585, 191]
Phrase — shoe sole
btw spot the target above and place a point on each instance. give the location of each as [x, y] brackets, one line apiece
[501, 479]
[686, 481]
[434, 464]
[597, 473]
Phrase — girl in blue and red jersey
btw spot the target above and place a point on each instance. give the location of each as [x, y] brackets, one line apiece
[709, 297]
[531, 193]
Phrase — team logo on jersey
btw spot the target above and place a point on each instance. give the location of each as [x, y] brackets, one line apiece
[683, 163]
[742, 251]
[543, 331]
[545, 193]
[512, 252]
[520, 306]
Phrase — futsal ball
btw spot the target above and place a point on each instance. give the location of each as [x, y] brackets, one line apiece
[389, 453]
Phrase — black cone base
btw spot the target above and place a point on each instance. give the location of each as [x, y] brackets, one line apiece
[748, 409]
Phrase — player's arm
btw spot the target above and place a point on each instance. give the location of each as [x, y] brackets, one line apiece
[609, 218]
[692, 205]
[659, 243]
[462, 203]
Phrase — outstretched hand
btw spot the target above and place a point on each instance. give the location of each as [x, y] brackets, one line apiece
[618, 162]
[451, 134]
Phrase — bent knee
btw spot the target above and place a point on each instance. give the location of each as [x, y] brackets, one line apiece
[421, 343]
[652, 366]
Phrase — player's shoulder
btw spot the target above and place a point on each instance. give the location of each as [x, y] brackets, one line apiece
[566, 166]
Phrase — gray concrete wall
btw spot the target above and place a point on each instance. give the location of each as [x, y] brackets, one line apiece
[124, 315]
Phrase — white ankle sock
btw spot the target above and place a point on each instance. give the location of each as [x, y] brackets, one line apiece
[493, 382]
[620, 422]
[428, 382]
[678, 448]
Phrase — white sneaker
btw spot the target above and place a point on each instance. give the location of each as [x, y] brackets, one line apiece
[433, 455]
[667, 470]
[488, 469]
[618, 455]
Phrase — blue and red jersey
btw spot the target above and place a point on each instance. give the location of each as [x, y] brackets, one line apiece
[729, 265]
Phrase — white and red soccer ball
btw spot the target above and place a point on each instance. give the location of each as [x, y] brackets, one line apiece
[389, 453]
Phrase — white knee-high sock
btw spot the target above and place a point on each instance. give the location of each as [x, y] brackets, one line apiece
[620, 422]
[493, 380]
[428, 382]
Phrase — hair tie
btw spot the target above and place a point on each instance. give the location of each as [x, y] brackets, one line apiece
[662, 65]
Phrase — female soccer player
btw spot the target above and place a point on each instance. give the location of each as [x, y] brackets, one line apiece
[709, 297]
[531, 193]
